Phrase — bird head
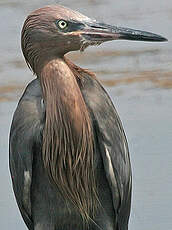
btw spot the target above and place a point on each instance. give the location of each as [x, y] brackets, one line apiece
[53, 31]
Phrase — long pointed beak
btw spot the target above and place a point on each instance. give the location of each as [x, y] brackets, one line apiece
[99, 32]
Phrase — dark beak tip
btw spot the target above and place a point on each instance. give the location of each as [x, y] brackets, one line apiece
[161, 39]
[164, 39]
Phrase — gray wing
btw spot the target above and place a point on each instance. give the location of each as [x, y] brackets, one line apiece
[25, 132]
[113, 148]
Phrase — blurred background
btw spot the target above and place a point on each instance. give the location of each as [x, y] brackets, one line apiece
[138, 77]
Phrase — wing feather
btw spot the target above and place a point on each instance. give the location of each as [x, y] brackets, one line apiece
[25, 130]
[113, 147]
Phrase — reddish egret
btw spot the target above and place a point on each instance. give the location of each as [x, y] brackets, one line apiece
[69, 156]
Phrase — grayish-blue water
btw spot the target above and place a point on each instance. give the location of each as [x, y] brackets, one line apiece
[138, 77]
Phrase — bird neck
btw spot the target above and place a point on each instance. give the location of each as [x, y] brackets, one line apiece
[68, 137]
[60, 87]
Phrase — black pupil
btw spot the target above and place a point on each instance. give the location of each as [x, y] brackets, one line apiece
[63, 23]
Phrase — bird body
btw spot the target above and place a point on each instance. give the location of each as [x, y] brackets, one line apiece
[47, 203]
[69, 157]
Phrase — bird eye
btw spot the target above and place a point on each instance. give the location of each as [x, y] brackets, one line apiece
[62, 24]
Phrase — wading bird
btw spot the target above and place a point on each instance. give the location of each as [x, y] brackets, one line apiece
[69, 158]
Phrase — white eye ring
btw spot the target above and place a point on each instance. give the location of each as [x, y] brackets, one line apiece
[62, 24]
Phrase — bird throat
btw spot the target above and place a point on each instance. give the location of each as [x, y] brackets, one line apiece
[68, 138]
